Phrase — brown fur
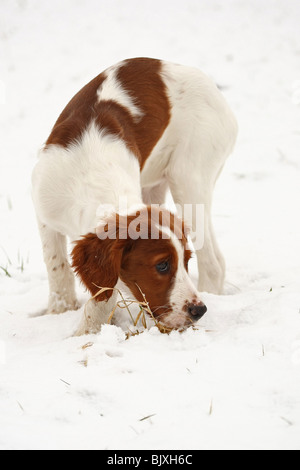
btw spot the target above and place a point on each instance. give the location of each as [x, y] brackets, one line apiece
[140, 78]
[100, 262]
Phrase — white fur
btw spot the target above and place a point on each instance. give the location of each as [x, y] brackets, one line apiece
[111, 89]
[191, 154]
[69, 185]
[183, 290]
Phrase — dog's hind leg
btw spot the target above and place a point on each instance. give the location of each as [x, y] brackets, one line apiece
[194, 195]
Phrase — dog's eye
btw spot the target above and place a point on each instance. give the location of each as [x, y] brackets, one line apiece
[163, 267]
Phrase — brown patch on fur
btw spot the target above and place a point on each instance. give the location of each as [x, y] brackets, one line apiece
[101, 261]
[139, 273]
[77, 114]
[141, 79]
[98, 263]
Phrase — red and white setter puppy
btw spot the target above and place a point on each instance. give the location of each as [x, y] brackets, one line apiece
[137, 129]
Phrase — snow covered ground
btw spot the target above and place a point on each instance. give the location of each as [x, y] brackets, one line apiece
[235, 382]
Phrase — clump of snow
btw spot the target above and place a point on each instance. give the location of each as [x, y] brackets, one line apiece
[235, 382]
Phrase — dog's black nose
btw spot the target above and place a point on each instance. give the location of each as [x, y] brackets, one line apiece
[197, 310]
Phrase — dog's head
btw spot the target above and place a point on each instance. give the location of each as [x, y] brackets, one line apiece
[149, 252]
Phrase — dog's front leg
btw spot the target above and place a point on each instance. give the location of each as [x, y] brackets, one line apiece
[62, 296]
[95, 315]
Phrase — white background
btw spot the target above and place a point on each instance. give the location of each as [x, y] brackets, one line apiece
[234, 383]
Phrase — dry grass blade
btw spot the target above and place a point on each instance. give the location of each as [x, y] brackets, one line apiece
[147, 417]
[130, 333]
[84, 362]
[144, 307]
[101, 290]
[162, 328]
[112, 314]
[139, 316]
[210, 412]
[87, 345]
[119, 304]
[126, 303]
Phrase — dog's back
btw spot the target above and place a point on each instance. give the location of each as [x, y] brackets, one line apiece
[137, 129]
[129, 125]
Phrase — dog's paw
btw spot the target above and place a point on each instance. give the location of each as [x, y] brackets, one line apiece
[60, 304]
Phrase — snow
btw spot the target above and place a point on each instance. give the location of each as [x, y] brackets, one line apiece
[234, 383]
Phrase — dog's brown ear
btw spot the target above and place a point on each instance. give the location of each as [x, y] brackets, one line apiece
[98, 263]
